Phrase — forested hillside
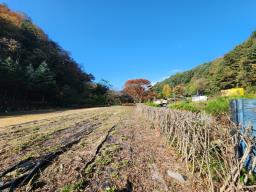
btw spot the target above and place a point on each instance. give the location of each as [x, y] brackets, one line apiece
[236, 69]
[36, 72]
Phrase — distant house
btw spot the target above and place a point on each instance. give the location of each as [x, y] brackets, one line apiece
[199, 98]
[232, 92]
[161, 102]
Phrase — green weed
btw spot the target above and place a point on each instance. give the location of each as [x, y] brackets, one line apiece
[218, 106]
[111, 189]
[107, 153]
[73, 187]
[185, 105]
[89, 169]
[151, 104]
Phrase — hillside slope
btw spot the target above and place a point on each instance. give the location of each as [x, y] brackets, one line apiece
[36, 72]
[236, 69]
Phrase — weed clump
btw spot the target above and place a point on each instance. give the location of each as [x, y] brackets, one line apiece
[185, 105]
[151, 104]
[218, 106]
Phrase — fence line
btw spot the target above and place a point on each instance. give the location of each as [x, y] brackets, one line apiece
[207, 147]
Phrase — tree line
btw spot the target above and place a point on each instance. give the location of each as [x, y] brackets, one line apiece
[35, 72]
[235, 69]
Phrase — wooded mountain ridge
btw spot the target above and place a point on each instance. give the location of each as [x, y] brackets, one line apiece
[36, 72]
[235, 69]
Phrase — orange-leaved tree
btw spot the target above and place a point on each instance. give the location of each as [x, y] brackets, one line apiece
[139, 89]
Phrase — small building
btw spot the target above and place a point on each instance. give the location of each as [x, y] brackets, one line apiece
[232, 92]
[199, 98]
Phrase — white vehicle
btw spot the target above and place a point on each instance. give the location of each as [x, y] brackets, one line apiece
[161, 102]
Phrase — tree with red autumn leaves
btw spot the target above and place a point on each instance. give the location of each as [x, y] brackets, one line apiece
[139, 89]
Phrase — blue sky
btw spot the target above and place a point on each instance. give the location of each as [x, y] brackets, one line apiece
[118, 40]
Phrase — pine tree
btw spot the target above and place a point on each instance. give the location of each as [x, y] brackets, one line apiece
[44, 81]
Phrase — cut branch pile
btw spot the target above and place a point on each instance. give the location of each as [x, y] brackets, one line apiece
[207, 147]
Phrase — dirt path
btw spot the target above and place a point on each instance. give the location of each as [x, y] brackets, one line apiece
[135, 158]
[114, 149]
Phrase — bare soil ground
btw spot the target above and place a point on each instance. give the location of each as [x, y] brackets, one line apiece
[100, 149]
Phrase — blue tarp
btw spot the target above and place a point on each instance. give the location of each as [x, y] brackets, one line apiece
[243, 113]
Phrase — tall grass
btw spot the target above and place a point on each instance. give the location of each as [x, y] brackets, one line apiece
[214, 106]
[217, 106]
[151, 104]
[185, 105]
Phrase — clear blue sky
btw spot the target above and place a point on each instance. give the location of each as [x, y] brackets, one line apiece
[118, 40]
